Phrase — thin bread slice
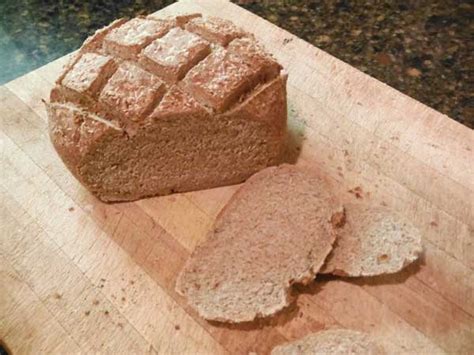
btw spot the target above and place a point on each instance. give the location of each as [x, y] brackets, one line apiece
[274, 232]
[334, 341]
[373, 241]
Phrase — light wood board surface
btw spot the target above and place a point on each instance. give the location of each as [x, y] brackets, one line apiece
[78, 275]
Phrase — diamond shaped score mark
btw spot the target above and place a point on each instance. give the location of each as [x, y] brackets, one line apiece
[89, 73]
[171, 56]
[215, 29]
[221, 78]
[129, 39]
[132, 91]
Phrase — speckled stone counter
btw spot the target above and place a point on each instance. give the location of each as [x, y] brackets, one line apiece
[419, 47]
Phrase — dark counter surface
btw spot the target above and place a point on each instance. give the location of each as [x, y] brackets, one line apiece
[422, 48]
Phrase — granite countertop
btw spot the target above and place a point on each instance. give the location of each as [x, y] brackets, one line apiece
[420, 47]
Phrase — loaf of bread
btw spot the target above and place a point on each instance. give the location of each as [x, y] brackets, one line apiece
[153, 106]
[374, 240]
[275, 231]
[331, 342]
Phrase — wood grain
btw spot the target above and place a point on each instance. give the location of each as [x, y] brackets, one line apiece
[82, 276]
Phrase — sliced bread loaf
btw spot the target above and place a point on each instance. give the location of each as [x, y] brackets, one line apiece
[331, 342]
[274, 232]
[373, 241]
[153, 106]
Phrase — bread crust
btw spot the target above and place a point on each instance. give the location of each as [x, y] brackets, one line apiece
[127, 73]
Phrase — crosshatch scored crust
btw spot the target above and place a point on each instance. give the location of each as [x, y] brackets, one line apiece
[152, 106]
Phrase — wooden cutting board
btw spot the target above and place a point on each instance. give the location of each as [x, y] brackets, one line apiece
[78, 275]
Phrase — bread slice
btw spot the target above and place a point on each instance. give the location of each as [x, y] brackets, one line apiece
[373, 241]
[153, 106]
[333, 342]
[275, 232]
